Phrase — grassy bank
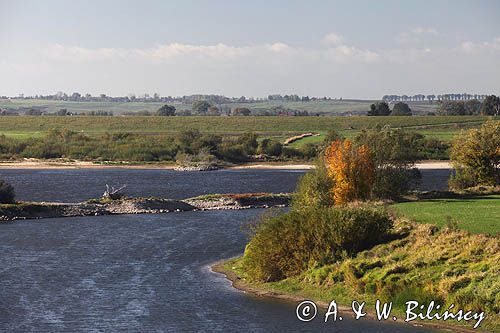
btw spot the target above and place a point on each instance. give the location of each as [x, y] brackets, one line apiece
[477, 214]
[33, 126]
[424, 264]
[338, 240]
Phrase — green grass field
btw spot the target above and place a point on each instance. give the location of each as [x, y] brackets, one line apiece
[28, 126]
[479, 214]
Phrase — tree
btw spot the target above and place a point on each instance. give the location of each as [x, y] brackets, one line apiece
[491, 106]
[33, 112]
[475, 156]
[213, 111]
[249, 142]
[401, 109]
[330, 137]
[62, 112]
[188, 140]
[472, 107]
[315, 188]
[241, 112]
[201, 107]
[351, 169]
[451, 108]
[379, 109]
[7, 194]
[394, 153]
[166, 110]
[270, 147]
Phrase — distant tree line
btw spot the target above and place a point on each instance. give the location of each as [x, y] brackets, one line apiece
[221, 99]
[430, 98]
[61, 112]
[490, 106]
[203, 108]
[156, 98]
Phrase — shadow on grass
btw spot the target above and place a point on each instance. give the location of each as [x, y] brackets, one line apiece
[449, 196]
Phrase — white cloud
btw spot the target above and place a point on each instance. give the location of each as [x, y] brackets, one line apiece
[420, 36]
[255, 69]
[332, 39]
[424, 30]
[470, 47]
[171, 52]
[349, 54]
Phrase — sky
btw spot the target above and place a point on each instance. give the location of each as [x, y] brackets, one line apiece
[349, 49]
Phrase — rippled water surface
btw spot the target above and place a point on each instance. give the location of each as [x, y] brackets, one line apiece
[73, 185]
[139, 273]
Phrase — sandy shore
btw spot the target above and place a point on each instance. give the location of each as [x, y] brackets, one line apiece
[271, 166]
[421, 165]
[433, 165]
[60, 164]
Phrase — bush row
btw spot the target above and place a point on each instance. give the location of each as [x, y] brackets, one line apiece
[143, 148]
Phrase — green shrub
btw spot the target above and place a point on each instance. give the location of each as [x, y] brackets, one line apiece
[314, 189]
[249, 142]
[475, 155]
[432, 149]
[309, 151]
[292, 153]
[270, 147]
[392, 182]
[289, 244]
[232, 152]
[7, 194]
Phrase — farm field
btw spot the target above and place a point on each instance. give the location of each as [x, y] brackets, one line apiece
[480, 214]
[327, 107]
[280, 127]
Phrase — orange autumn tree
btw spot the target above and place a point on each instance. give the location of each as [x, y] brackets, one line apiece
[352, 170]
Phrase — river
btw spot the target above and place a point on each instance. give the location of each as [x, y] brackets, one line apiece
[140, 273]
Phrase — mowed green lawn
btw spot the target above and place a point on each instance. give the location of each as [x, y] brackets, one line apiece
[479, 214]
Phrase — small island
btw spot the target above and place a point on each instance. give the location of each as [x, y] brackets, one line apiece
[126, 205]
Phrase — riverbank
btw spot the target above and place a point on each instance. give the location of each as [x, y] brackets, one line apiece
[71, 164]
[260, 290]
[39, 210]
[371, 265]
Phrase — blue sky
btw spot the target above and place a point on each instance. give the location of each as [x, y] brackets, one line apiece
[357, 49]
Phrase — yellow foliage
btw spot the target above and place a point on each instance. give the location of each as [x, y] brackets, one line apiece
[352, 169]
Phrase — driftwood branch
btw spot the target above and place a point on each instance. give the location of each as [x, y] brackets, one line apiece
[112, 193]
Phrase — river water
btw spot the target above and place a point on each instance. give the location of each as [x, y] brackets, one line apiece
[140, 273]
